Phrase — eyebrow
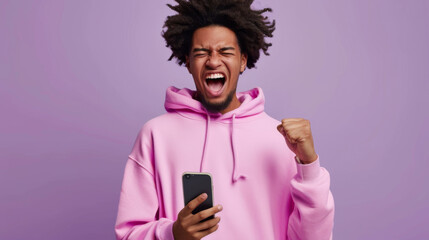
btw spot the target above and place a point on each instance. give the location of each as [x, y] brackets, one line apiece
[207, 50]
[226, 49]
[200, 49]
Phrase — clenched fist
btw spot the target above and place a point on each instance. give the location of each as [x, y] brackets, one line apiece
[297, 133]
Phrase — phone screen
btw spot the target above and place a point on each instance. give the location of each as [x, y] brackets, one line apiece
[195, 184]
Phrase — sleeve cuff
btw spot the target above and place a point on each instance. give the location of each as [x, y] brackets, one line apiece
[307, 172]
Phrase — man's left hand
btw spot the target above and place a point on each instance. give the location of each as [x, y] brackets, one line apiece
[297, 133]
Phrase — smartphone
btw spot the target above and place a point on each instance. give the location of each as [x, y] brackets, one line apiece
[194, 184]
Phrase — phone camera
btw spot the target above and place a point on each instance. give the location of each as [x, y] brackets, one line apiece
[188, 176]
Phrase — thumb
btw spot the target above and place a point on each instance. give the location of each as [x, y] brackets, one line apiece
[291, 146]
[281, 130]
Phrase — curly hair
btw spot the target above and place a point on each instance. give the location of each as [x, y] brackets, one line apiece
[250, 26]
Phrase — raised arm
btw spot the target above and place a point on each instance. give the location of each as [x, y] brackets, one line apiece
[313, 214]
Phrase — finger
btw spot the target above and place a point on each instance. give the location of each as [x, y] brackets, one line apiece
[290, 139]
[281, 130]
[302, 122]
[204, 225]
[204, 233]
[289, 120]
[285, 128]
[295, 130]
[198, 217]
[286, 134]
[193, 204]
[293, 124]
[299, 135]
[292, 127]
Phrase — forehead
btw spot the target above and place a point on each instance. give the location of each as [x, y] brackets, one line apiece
[214, 37]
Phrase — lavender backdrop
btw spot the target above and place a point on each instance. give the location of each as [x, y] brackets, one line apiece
[79, 78]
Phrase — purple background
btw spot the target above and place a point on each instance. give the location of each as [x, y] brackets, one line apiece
[79, 78]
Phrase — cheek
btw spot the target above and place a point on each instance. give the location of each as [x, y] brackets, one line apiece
[196, 66]
[193, 70]
[232, 64]
[236, 69]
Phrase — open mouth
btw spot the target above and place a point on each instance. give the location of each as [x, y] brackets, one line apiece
[215, 82]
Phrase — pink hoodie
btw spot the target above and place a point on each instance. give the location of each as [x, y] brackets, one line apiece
[265, 194]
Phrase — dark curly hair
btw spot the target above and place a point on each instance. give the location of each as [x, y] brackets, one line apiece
[250, 26]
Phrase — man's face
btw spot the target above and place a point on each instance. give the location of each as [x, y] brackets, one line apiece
[215, 62]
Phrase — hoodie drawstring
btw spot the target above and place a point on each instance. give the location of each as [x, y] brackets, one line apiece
[205, 142]
[235, 176]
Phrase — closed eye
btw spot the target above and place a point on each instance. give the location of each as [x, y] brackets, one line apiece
[227, 51]
[200, 54]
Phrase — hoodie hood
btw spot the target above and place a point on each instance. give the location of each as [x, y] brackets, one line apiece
[182, 101]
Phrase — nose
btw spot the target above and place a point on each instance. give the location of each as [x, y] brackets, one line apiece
[213, 61]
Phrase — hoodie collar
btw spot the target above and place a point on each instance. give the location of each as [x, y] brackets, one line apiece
[182, 102]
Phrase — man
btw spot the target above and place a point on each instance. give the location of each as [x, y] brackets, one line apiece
[268, 185]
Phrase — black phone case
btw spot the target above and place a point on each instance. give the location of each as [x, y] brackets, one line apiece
[195, 184]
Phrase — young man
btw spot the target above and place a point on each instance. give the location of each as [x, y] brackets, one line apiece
[268, 183]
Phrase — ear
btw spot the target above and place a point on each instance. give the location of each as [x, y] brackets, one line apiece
[243, 62]
[187, 64]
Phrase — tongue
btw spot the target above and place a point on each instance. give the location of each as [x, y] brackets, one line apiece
[215, 86]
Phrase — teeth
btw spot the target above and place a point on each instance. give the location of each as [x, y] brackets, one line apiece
[214, 76]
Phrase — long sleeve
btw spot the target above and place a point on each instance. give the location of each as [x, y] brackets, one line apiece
[138, 203]
[313, 214]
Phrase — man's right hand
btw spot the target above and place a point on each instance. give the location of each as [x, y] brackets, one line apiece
[188, 225]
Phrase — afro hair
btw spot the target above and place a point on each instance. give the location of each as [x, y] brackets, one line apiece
[249, 25]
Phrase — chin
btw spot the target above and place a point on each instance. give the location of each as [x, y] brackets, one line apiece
[218, 105]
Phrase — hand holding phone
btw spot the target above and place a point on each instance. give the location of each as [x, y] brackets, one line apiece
[189, 226]
[189, 223]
